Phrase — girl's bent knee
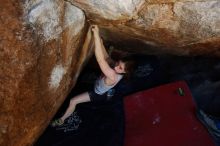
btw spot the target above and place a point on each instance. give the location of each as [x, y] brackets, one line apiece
[72, 102]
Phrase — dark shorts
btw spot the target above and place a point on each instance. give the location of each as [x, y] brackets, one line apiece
[94, 97]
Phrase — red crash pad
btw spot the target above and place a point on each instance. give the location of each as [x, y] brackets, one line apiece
[162, 116]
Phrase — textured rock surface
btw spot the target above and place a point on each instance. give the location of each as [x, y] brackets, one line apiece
[183, 27]
[118, 10]
[40, 62]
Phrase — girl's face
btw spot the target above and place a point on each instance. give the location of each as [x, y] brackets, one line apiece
[120, 67]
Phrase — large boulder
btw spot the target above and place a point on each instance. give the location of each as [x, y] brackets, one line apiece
[110, 10]
[41, 58]
[183, 27]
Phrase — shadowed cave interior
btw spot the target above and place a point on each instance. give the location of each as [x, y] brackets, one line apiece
[103, 124]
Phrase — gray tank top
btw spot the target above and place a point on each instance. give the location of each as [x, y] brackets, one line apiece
[100, 86]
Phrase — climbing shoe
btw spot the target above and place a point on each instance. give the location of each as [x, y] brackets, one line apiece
[57, 122]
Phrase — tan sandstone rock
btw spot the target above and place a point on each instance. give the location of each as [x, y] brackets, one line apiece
[41, 58]
[175, 26]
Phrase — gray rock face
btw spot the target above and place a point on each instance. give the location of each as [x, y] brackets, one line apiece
[201, 18]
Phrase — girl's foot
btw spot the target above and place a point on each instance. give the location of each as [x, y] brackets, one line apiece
[57, 122]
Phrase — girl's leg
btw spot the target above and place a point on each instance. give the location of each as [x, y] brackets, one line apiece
[84, 97]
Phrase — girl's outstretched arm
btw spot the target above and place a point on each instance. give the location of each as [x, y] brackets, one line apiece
[100, 55]
[104, 50]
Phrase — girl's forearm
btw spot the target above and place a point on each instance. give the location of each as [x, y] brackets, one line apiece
[98, 48]
[104, 50]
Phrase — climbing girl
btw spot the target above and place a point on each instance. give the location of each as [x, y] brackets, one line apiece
[112, 74]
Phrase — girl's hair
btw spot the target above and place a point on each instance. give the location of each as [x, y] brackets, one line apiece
[130, 65]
